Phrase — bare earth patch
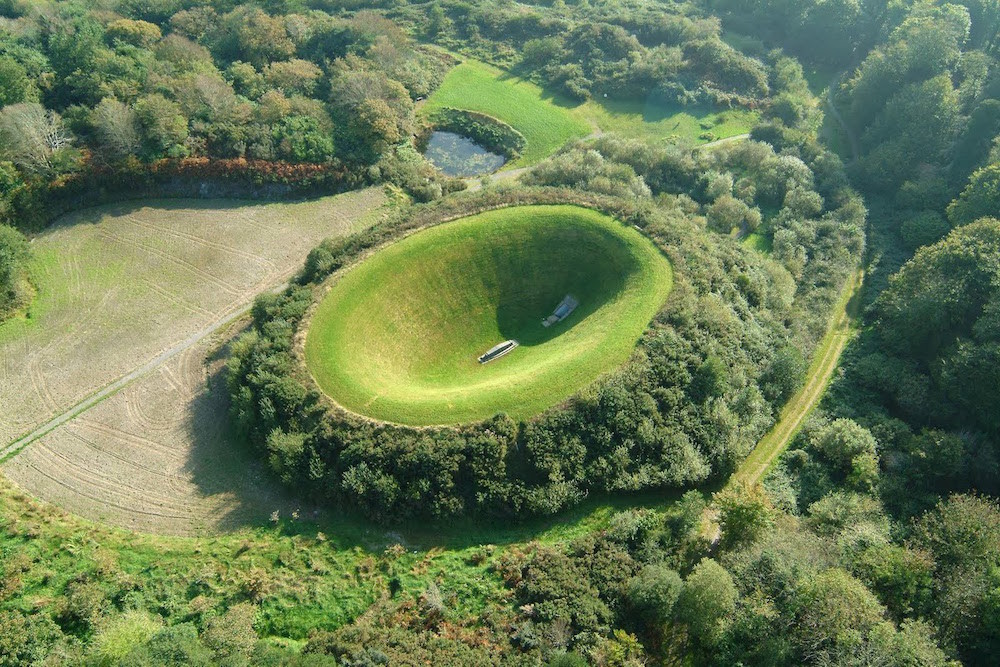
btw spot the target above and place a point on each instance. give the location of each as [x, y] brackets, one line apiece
[119, 286]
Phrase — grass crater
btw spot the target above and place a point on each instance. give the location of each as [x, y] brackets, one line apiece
[397, 338]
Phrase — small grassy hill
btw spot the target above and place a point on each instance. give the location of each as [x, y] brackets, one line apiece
[397, 338]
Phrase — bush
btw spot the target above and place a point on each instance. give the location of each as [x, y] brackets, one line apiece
[116, 638]
[13, 278]
[652, 594]
[923, 229]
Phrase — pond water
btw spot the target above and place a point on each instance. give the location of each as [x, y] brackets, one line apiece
[460, 156]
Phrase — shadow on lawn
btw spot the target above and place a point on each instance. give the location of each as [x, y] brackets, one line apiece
[655, 108]
[95, 214]
[221, 464]
[603, 267]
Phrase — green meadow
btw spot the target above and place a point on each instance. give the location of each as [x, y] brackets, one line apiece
[547, 122]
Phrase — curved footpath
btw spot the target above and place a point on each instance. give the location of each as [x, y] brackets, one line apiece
[825, 359]
[825, 362]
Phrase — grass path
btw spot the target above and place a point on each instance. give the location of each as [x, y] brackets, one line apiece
[852, 139]
[824, 363]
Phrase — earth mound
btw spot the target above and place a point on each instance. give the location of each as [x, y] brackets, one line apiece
[398, 338]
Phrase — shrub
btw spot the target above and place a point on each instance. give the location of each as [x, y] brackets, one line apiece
[13, 260]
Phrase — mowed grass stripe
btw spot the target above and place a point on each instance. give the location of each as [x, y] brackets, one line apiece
[546, 126]
[397, 337]
[825, 362]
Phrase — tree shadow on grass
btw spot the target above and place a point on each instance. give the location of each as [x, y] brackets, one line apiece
[600, 271]
[95, 214]
[221, 463]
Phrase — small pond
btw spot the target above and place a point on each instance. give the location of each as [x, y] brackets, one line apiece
[460, 156]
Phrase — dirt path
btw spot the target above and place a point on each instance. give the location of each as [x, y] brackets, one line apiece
[722, 142]
[852, 139]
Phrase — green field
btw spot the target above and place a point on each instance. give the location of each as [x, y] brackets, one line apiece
[398, 337]
[759, 242]
[547, 122]
[522, 105]
[651, 121]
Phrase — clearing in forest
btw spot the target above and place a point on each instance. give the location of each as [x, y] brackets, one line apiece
[398, 337]
[118, 286]
[547, 121]
[546, 126]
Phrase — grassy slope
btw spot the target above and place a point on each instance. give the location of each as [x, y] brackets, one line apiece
[547, 122]
[478, 87]
[444, 296]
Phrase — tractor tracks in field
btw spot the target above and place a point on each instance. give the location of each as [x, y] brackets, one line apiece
[116, 386]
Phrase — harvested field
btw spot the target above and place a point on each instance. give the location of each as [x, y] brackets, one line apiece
[155, 457]
[118, 287]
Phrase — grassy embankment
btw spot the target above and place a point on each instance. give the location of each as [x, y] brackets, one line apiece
[398, 337]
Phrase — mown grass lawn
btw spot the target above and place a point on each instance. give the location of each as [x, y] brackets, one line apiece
[398, 337]
[759, 242]
[548, 121]
[546, 126]
[655, 121]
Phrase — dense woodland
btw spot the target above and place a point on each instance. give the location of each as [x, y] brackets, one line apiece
[875, 541]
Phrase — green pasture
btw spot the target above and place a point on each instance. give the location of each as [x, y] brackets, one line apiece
[654, 121]
[546, 126]
[397, 338]
[759, 242]
[547, 121]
